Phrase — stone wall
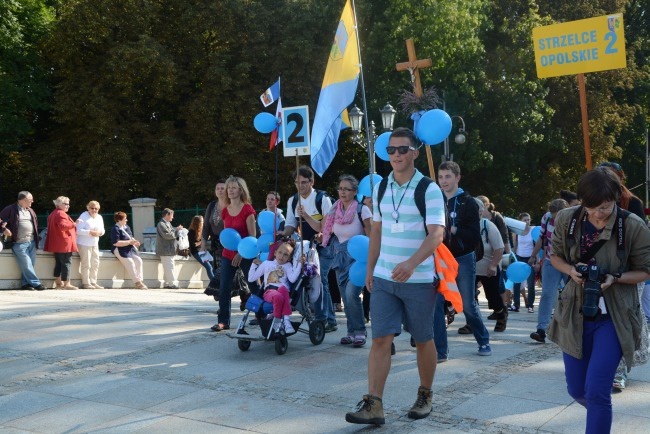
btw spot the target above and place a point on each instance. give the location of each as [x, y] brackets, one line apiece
[189, 272]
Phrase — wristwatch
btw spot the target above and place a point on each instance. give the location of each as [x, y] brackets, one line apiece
[616, 276]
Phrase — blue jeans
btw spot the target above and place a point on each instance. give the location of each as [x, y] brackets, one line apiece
[206, 265]
[516, 293]
[225, 287]
[551, 281]
[324, 309]
[26, 257]
[466, 282]
[589, 380]
[350, 293]
[439, 329]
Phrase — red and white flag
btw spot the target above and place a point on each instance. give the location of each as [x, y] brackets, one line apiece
[275, 134]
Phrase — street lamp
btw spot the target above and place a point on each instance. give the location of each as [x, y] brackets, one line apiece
[460, 138]
[356, 119]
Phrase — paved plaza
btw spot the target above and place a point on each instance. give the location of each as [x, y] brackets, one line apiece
[119, 360]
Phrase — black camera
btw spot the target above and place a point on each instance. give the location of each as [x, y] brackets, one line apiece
[593, 276]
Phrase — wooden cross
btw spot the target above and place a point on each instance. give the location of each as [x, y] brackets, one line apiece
[413, 66]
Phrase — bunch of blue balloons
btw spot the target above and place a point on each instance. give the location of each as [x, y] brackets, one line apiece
[358, 249]
[433, 127]
[251, 247]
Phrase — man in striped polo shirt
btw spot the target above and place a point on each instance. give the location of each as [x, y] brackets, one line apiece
[401, 276]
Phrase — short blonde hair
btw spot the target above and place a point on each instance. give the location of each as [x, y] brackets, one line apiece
[93, 203]
[60, 200]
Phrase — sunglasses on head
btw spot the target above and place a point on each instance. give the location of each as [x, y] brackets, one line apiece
[614, 166]
[401, 149]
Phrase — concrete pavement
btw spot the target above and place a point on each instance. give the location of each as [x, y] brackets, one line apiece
[120, 360]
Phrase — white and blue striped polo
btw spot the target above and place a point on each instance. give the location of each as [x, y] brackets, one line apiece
[398, 247]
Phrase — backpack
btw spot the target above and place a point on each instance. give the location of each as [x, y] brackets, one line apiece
[420, 191]
[320, 194]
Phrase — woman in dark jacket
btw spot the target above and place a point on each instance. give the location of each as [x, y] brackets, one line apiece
[125, 249]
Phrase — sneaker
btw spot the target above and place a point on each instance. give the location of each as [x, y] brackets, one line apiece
[539, 336]
[171, 287]
[465, 330]
[140, 285]
[331, 328]
[513, 309]
[392, 349]
[370, 410]
[620, 381]
[422, 406]
[442, 358]
[276, 324]
[531, 310]
[484, 350]
[347, 340]
[87, 286]
[288, 327]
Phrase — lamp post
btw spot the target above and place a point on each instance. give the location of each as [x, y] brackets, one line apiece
[387, 121]
[460, 138]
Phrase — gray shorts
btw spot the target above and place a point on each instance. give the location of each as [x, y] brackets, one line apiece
[393, 304]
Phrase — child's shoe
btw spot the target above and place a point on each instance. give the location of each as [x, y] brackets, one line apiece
[288, 328]
[276, 324]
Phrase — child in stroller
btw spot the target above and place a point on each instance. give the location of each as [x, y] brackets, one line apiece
[278, 274]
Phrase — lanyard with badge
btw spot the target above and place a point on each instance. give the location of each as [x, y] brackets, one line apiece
[397, 227]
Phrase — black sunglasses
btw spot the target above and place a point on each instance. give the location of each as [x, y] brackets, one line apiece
[401, 149]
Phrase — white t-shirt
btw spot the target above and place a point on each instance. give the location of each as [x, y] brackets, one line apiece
[309, 204]
[345, 232]
[525, 244]
[494, 242]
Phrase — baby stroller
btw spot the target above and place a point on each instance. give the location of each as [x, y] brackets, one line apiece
[303, 293]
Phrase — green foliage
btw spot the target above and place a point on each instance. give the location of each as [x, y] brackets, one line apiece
[113, 100]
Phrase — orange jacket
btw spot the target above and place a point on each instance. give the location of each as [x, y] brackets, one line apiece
[447, 269]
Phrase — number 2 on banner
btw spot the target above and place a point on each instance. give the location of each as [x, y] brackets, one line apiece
[295, 130]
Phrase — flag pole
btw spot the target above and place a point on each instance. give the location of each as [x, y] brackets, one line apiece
[298, 206]
[369, 140]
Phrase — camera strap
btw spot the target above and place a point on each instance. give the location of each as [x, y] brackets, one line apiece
[619, 230]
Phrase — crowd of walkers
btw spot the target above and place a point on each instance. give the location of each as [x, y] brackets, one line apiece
[591, 252]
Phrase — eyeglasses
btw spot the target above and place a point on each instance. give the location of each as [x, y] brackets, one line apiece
[401, 149]
[602, 209]
[345, 189]
[614, 166]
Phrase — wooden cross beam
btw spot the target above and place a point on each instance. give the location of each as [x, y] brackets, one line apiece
[413, 66]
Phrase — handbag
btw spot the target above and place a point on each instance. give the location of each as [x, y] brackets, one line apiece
[239, 286]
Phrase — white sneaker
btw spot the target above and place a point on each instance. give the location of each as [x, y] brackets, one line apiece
[276, 324]
[288, 328]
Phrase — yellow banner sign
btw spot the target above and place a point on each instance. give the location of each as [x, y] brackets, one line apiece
[594, 44]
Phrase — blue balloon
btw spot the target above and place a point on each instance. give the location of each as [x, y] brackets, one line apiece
[434, 127]
[534, 233]
[264, 242]
[265, 122]
[230, 238]
[381, 144]
[358, 247]
[357, 273]
[518, 271]
[247, 248]
[364, 185]
[266, 220]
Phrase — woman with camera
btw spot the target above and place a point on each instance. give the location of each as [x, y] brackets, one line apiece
[605, 251]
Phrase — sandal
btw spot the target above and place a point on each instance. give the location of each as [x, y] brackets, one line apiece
[347, 340]
[359, 341]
